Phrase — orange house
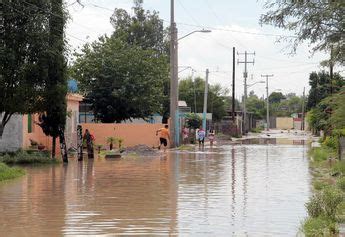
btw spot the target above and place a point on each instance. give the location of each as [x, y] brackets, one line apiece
[23, 128]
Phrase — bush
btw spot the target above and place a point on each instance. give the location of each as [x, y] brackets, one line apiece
[256, 130]
[9, 173]
[320, 226]
[325, 203]
[338, 168]
[319, 185]
[24, 157]
[341, 183]
[319, 154]
[331, 142]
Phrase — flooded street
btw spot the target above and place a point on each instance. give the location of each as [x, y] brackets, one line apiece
[232, 190]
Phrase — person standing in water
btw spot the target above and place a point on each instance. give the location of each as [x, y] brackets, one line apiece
[201, 137]
[164, 136]
[211, 137]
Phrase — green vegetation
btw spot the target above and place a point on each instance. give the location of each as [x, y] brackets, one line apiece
[9, 173]
[257, 130]
[319, 23]
[319, 226]
[28, 157]
[186, 148]
[125, 75]
[327, 204]
[193, 121]
[192, 91]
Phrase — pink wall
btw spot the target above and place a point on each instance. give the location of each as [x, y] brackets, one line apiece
[37, 133]
[133, 134]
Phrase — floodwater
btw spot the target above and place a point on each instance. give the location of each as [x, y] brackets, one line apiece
[232, 190]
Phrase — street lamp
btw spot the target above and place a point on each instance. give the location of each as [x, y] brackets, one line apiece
[174, 115]
[200, 31]
[255, 83]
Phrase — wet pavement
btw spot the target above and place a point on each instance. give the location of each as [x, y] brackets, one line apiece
[233, 190]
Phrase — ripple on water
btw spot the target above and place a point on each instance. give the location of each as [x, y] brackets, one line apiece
[243, 190]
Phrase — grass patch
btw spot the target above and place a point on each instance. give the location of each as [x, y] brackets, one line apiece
[341, 183]
[319, 226]
[25, 157]
[319, 154]
[186, 148]
[320, 184]
[10, 173]
[256, 130]
[338, 169]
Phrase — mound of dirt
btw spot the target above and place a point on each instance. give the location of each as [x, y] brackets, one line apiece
[141, 150]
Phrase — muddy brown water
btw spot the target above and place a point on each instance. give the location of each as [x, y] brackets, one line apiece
[232, 190]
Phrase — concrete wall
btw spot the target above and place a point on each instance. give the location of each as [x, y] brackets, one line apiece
[284, 123]
[133, 134]
[12, 137]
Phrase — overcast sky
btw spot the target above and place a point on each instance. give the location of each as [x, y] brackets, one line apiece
[233, 24]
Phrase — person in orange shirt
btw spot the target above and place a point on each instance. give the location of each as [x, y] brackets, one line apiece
[164, 136]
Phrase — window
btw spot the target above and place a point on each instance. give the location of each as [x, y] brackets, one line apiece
[29, 123]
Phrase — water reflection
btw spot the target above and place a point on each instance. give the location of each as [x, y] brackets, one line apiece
[254, 190]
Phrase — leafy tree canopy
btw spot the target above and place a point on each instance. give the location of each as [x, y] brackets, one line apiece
[276, 97]
[321, 23]
[24, 44]
[126, 75]
[322, 86]
[122, 81]
[192, 91]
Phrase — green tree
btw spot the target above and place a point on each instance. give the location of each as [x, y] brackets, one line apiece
[24, 40]
[193, 121]
[321, 23]
[145, 30]
[322, 86]
[337, 103]
[122, 81]
[126, 75]
[53, 119]
[276, 97]
[192, 91]
[256, 106]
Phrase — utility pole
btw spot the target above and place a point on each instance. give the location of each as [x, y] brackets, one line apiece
[267, 103]
[233, 84]
[173, 78]
[303, 101]
[205, 101]
[245, 75]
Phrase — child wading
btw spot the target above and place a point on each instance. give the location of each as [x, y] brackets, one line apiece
[164, 136]
[201, 137]
[211, 137]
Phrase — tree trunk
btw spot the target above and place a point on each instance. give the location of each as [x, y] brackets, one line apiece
[53, 147]
[1, 129]
[63, 148]
[80, 143]
[5, 118]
